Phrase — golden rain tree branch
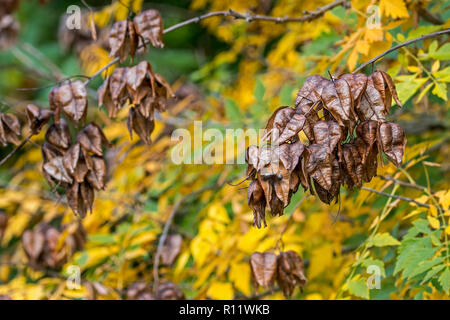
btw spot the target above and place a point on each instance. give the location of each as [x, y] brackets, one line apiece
[308, 16]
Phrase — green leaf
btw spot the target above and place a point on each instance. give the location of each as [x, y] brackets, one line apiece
[430, 274]
[359, 288]
[444, 280]
[260, 90]
[374, 262]
[286, 95]
[408, 88]
[232, 110]
[102, 238]
[411, 253]
[383, 240]
[440, 90]
[443, 53]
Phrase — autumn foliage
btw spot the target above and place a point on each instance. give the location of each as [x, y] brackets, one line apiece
[352, 164]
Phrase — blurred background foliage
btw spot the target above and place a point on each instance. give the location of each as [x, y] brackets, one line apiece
[232, 74]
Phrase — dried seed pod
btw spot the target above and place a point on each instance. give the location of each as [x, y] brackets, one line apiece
[56, 171]
[33, 244]
[9, 30]
[149, 26]
[311, 91]
[264, 268]
[139, 291]
[318, 165]
[290, 272]
[9, 129]
[372, 105]
[97, 175]
[257, 203]
[358, 84]
[168, 291]
[337, 99]
[393, 141]
[80, 197]
[123, 39]
[328, 133]
[352, 164]
[385, 86]
[141, 125]
[171, 249]
[43, 244]
[37, 117]
[368, 131]
[91, 139]
[71, 99]
[8, 6]
[58, 135]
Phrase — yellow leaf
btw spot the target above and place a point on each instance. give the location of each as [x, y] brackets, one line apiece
[447, 230]
[433, 211]
[394, 8]
[220, 291]
[218, 212]
[200, 250]
[314, 296]
[240, 276]
[251, 239]
[321, 259]
[434, 223]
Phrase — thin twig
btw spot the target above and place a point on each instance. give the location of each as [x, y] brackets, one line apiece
[167, 226]
[24, 141]
[402, 183]
[309, 16]
[420, 204]
[426, 36]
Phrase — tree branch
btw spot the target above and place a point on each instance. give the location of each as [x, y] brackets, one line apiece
[168, 224]
[420, 204]
[308, 16]
[427, 36]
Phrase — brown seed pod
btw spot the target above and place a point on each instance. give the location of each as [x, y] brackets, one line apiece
[149, 26]
[264, 268]
[9, 129]
[139, 291]
[37, 117]
[71, 99]
[290, 272]
[171, 249]
[393, 141]
[9, 30]
[168, 291]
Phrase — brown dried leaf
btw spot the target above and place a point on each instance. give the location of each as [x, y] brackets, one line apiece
[264, 267]
[393, 141]
[139, 291]
[149, 25]
[55, 168]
